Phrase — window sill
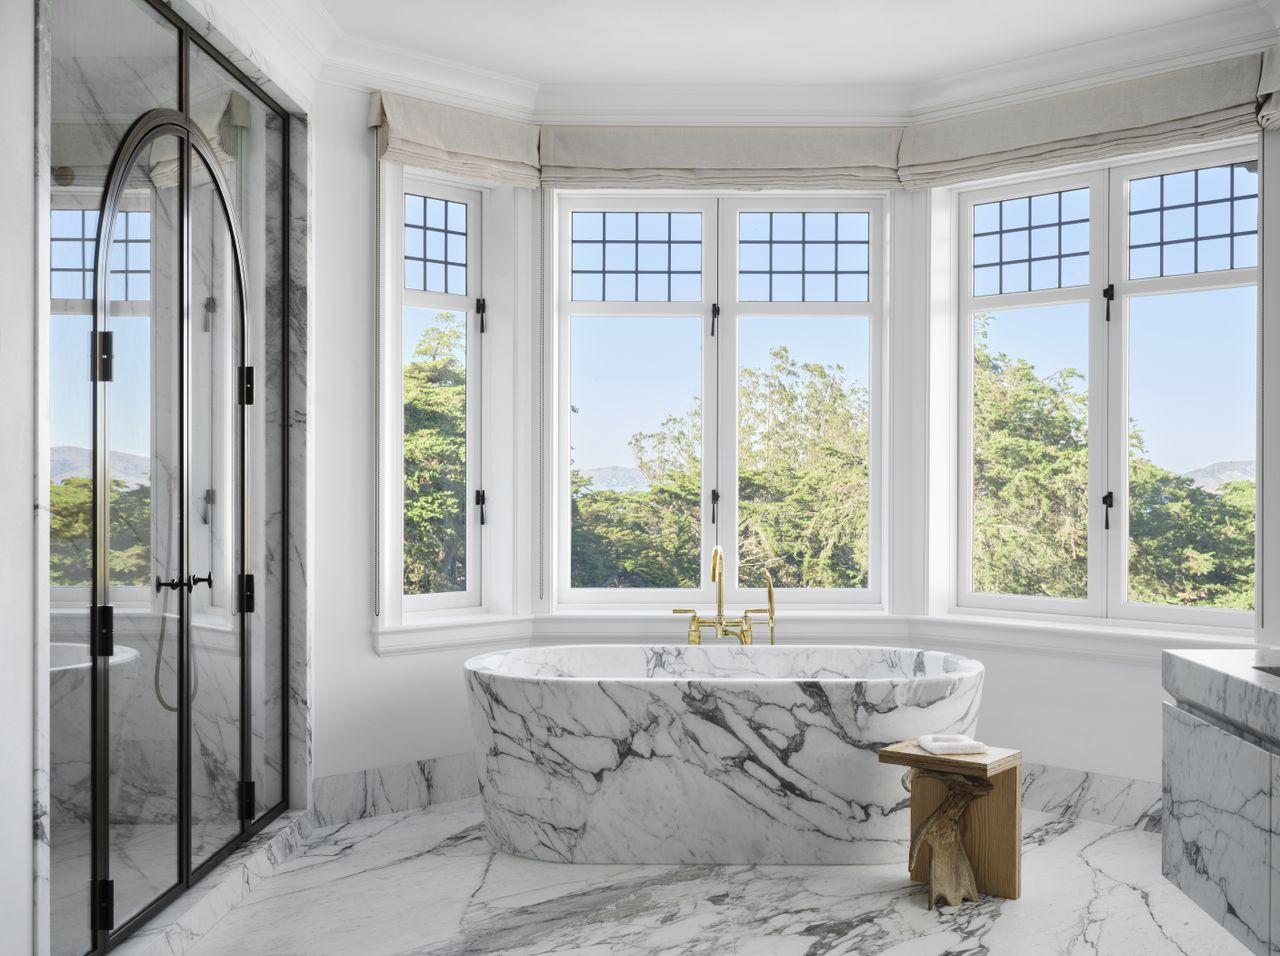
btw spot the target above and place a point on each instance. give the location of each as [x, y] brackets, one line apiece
[450, 630]
[960, 629]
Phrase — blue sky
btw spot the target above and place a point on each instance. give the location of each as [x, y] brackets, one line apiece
[1191, 367]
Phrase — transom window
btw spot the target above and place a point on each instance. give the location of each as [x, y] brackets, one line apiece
[435, 244]
[637, 256]
[1108, 427]
[1194, 220]
[748, 423]
[1031, 243]
[804, 257]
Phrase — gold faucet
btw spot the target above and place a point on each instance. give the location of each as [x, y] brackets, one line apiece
[739, 627]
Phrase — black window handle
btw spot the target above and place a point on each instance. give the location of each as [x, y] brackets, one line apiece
[1108, 501]
[480, 498]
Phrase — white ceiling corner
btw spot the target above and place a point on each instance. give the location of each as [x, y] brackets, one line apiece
[594, 61]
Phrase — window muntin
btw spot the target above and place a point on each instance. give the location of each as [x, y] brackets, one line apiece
[635, 434]
[1140, 543]
[636, 256]
[803, 450]
[130, 279]
[694, 444]
[435, 244]
[1193, 220]
[72, 252]
[804, 256]
[430, 518]
[1029, 243]
[1192, 448]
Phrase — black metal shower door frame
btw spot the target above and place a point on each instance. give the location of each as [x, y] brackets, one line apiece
[145, 130]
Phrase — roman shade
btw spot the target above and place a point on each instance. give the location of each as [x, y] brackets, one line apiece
[1197, 104]
[1269, 89]
[475, 146]
[701, 157]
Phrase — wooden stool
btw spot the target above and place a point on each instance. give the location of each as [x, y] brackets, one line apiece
[966, 821]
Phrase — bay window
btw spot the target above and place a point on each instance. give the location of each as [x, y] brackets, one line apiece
[1108, 395]
[720, 370]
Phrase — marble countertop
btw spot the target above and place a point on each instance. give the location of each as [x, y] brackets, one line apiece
[1225, 683]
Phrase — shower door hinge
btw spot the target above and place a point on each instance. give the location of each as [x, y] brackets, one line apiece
[102, 631]
[480, 312]
[244, 385]
[102, 904]
[715, 314]
[1109, 293]
[246, 594]
[101, 357]
[248, 800]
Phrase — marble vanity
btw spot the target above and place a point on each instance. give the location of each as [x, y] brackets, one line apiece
[1221, 787]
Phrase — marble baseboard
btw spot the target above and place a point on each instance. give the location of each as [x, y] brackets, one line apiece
[1080, 795]
[343, 797]
[177, 929]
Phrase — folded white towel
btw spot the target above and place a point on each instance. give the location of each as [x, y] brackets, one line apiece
[951, 744]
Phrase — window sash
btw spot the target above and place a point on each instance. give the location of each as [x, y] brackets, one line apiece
[1108, 381]
[720, 383]
[398, 607]
[1117, 603]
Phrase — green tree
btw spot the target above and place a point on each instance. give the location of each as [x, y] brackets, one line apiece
[71, 534]
[435, 459]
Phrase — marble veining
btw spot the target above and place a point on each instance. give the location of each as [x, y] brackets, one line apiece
[1088, 889]
[343, 797]
[1217, 824]
[1078, 794]
[708, 754]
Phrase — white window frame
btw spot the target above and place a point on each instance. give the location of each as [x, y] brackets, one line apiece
[399, 608]
[719, 385]
[1107, 383]
[873, 310]
[1126, 290]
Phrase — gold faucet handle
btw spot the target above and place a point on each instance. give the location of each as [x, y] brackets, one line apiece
[684, 610]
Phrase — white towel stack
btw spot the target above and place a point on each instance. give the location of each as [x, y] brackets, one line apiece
[951, 744]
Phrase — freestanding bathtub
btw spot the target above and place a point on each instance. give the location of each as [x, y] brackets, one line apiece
[707, 754]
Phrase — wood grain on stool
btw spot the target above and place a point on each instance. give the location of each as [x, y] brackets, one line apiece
[991, 830]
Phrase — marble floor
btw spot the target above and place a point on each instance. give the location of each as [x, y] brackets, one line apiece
[427, 881]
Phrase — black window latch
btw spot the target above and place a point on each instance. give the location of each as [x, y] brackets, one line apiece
[480, 500]
[1108, 501]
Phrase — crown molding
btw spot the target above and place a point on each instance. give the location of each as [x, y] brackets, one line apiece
[365, 65]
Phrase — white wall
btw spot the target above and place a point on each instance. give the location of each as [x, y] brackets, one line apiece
[17, 483]
[369, 710]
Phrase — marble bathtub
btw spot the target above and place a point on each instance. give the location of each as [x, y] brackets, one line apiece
[706, 754]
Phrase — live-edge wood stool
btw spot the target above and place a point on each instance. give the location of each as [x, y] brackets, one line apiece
[966, 821]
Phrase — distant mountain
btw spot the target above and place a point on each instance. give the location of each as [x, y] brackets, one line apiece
[1212, 477]
[70, 461]
[617, 478]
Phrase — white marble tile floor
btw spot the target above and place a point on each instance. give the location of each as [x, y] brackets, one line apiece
[428, 882]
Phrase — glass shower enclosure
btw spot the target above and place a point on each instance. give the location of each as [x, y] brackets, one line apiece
[166, 353]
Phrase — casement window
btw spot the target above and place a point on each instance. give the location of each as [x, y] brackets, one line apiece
[431, 507]
[719, 381]
[1108, 392]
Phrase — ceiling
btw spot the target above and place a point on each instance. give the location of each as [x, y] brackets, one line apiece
[736, 42]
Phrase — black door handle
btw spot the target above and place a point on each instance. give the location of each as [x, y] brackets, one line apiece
[173, 585]
[193, 581]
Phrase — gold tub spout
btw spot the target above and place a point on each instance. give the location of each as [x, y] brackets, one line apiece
[739, 627]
